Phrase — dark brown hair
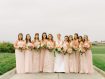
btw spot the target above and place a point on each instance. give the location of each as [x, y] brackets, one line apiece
[43, 34]
[51, 36]
[19, 35]
[27, 39]
[35, 36]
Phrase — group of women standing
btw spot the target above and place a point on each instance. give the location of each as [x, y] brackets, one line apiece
[73, 54]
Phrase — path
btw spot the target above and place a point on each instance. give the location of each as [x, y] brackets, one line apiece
[96, 75]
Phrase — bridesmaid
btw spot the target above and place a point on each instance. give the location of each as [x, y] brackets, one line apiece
[75, 49]
[72, 58]
[36, 53]
[66, 54]
[19, 53]
[28, 54]
[83, 60]
[87, 46]
[49, 55]
[43, 50]
[59, 58]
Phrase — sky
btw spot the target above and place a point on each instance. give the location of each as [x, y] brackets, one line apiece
[52, 16]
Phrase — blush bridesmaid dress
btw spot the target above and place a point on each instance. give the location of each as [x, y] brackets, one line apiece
[66, 58]
[28, 59]
[49, 59]
[89, 59]
[35, 59]
[42, 55]
[83, 61]
[72, 61]
[59, 59]
[20, 57]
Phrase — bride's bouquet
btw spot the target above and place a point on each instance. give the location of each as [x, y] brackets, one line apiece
[59, 49]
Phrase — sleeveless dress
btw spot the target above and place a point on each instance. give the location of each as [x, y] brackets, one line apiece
[49, 59]
[28, 59]
[83, 61]
[66, 59]
[42, 56]
[76, 43]
[72, 61]
[89, 59]
[59, 59]
[20, 57]
[36, 58]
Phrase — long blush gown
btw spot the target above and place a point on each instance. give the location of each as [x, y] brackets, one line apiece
[42, 56]
[72, 61]
[49, 59]
[20, 57]
[76, 43]
[66, 59]
[89, 59]
[59, 59]
[83, 61]
[28, 59]
[35, 59]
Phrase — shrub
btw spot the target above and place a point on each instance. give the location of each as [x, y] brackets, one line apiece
[7, 47]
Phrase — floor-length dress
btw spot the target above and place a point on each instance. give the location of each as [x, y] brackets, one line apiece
[20, 57]
[35, 59]
[28, 59]
[66, 58]
[89, 59]
[59, 59]
[76, 44]
[42, 55]
[72, 61]
[83, 60]
[49, 60]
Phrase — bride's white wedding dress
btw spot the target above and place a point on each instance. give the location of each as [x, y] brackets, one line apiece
[59, 60]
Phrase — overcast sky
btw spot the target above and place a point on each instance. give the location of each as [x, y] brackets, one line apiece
[52, 16]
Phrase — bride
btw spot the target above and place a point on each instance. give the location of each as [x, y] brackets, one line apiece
[59, 61]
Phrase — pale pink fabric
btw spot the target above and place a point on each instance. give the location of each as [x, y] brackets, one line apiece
[28, 61]
[89, 62]
[20, 58]
[83, 63]
[76, 43]
[66, 58]
[89, 58]
[72, 59]
[36, 58]
[49, 60]
[42, 56]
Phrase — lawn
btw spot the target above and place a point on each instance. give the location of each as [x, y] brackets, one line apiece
[99, 56]
[7, 62]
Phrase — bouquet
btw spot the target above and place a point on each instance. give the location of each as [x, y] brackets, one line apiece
[59, 49]
[69, 50]
[43, 46]
[29, 46]
[86, 46]
[38, 47]
[65, 50]
[81, 50]
[21, 47]
[50, 48]
[74, 48]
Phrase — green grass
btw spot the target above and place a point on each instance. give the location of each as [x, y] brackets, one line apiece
[7, 62]
[99, 56]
